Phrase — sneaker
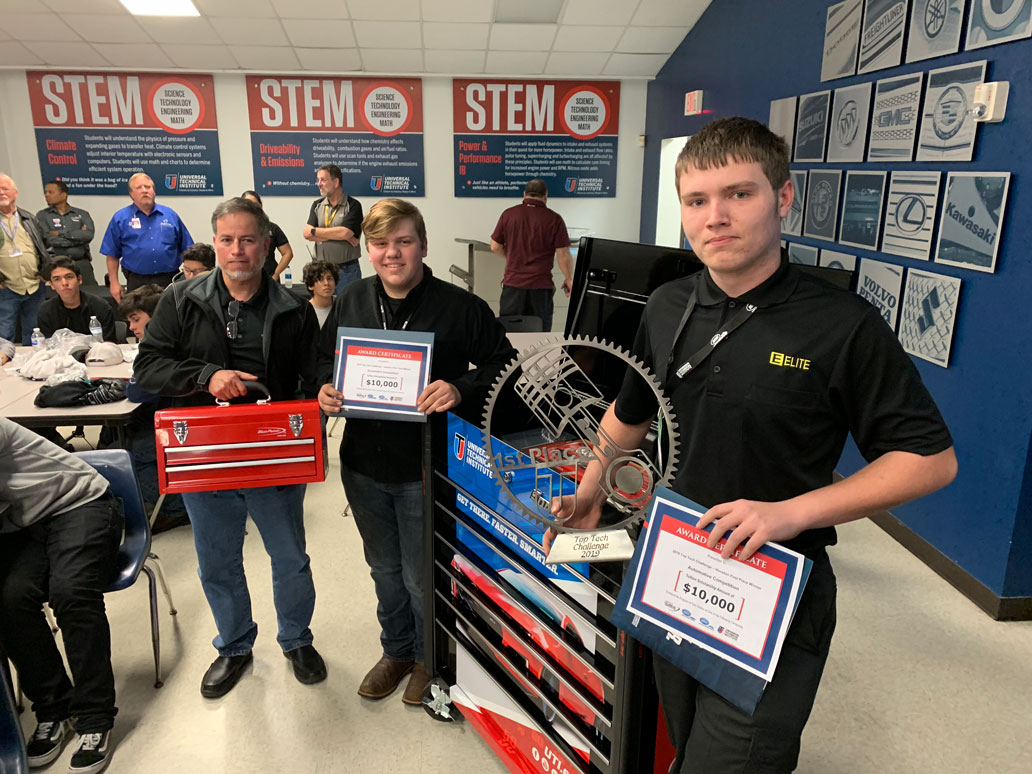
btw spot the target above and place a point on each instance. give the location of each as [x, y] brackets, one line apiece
[46, 743]
[93, 753]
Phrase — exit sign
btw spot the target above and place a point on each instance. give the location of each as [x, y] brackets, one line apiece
[693, 103]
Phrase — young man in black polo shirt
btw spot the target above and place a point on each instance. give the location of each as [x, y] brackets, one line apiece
[764, 412]
[72, 308]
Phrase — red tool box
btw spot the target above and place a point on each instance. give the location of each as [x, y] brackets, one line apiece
[205, 448]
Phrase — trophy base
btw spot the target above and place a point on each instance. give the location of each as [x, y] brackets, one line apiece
[609, 546]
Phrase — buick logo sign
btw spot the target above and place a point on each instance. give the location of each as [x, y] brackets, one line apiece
[848, 124]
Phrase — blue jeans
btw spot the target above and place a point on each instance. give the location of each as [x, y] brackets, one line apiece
[218, 520]
[349, 272]
[389, 518]
[14, 305]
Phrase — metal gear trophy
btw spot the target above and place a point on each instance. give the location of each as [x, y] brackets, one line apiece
[552, 382]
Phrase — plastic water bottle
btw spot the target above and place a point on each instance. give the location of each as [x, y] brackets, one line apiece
[288, 277]
[38, 339]
[96, 331]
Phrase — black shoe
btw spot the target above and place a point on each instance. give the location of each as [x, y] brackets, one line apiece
[223, 674]
[309, 666]
[93, 753]
[46, 743]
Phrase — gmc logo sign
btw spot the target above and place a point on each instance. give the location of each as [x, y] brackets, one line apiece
[899, 117]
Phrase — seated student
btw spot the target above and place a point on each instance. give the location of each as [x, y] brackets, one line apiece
[198, 259]
[72, 308]
[59, 536]
[137, 306]
[321, 280]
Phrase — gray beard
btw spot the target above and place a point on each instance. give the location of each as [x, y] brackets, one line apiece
[240, 276]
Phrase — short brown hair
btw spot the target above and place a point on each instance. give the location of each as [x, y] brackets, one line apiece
[238, 205]
[536, 188]
[143, 299]
[63, 262]
[314, 271]
[387, 214]
[735, 139]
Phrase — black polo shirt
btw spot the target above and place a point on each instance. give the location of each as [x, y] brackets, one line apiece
[766, 415]
[246, 351]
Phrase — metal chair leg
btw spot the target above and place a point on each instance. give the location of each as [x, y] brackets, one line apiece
[157, 509]
[153, 559]
[333, 426]
[155, 638]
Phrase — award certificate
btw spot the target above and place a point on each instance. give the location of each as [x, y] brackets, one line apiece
[738, 610]
[382, 373]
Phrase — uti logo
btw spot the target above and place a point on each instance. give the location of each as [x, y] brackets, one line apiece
[171, 181]
[571, 184]
[460, 446]
[376, 182]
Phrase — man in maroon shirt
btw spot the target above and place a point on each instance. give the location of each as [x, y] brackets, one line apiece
[529, 237]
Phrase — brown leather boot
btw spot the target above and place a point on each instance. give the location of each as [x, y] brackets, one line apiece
[383, 678]
[416, 685]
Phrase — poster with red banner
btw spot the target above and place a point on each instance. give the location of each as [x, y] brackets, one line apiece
[372, 128]
[507, 132]
[94, 130]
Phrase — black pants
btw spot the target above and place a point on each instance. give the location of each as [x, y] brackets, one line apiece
[68, 560]
[134, 280]
[712, 736]
[535, 301]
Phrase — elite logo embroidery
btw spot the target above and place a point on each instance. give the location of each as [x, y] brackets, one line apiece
[789, 361]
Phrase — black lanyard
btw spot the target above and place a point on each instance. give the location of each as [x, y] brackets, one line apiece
[383, 315]
[696, 358]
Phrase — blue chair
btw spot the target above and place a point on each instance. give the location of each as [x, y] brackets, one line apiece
[134, 555]
[12, 743]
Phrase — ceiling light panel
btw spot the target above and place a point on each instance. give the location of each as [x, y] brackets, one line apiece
[161, 7]
[527, 11]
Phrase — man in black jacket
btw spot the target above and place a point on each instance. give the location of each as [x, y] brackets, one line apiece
[381, 461]
[208, 337]
[72, 309]
[23, 254]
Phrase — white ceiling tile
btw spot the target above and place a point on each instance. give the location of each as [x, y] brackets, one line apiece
[393, 34]
[247, 9]
[251, 32]
[268, 59]
[201, 57]
[4, 35]
[327, 33]
[562, 63]
[458, 10]
[616, 12]
[635, 64]
[68, 54]
[454, 61]
[23, 6]
[516, 62]
[382, 10]
[310, 9]
[678, 13]
[580, 38]
[16, 55]
[135, 55]
[184, 29]
[107, 29]
[522, 37]
[396, 60]
[447, 35]
[329, 60]
[81, 6]
[651, 40]
[36, 26]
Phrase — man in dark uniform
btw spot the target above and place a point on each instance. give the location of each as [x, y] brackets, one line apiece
[768, 371]
[69, 229]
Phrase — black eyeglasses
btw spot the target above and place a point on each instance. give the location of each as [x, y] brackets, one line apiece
[233, 327]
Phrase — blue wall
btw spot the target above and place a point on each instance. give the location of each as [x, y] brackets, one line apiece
[743, 54]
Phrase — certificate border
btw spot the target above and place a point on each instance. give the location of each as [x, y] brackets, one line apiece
[763, 667]
[407, 341]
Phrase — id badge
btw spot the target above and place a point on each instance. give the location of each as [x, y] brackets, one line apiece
[15, 252]
[134, 223]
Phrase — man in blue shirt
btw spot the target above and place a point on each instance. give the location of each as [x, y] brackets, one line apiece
[148, 240]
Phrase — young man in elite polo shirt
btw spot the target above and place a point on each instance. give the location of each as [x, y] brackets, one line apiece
[761, 435]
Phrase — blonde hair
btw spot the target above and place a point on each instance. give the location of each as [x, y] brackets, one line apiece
[386, 216]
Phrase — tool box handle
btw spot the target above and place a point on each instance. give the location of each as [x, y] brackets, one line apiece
[251, 385]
